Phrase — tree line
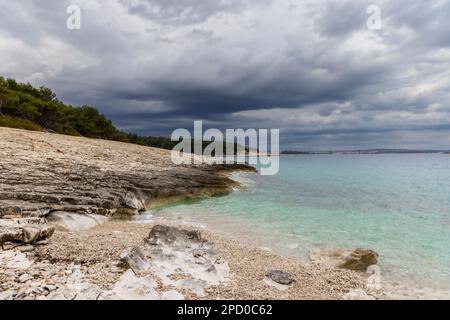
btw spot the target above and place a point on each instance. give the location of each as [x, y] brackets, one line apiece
[25, 107]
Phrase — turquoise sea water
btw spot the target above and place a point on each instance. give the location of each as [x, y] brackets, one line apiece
[398, 205]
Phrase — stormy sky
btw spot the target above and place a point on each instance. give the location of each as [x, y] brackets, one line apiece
[311, 68]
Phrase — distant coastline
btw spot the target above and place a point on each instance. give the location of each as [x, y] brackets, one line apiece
[366, 151]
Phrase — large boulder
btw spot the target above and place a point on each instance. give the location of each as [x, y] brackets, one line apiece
[360, 260]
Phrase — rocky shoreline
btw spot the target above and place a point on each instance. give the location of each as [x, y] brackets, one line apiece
[49, 177]
[123, 260]
[65, 206]
[44, 173]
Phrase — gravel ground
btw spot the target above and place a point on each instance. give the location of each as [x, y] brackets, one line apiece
[101, 246]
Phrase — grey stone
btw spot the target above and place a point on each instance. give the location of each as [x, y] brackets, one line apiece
[26, 248]
[7, 295]
[280, 277]
[168, 234]
[86, 291]
[50, 287]
[30, 234]
[134, 258]
[132, 202]
[24, 277]
[13, 231]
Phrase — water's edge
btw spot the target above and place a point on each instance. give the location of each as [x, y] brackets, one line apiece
[239, 228]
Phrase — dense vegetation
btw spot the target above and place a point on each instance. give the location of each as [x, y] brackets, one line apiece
[25, 107]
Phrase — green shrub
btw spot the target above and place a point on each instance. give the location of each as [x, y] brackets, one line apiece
[25, 107]
[11, 122]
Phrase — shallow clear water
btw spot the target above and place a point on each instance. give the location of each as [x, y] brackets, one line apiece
[398, 205]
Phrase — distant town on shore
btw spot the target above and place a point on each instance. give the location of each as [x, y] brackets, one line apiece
[367, 151]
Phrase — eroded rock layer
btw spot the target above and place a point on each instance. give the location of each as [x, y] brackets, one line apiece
[45, 173]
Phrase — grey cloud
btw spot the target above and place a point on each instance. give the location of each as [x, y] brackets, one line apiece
[339, 18]
[175, 12]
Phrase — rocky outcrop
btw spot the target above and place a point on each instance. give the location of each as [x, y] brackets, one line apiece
[75, 182]
[41, 173]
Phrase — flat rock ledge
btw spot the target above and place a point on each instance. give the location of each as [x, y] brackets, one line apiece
[56, 177]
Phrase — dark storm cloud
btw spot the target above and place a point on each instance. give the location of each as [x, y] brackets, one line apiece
[311, 68]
